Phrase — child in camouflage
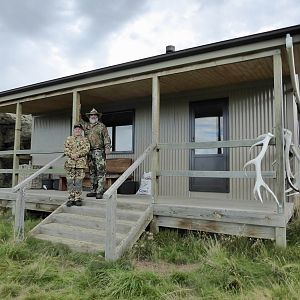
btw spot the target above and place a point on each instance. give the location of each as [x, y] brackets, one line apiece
[76, 150]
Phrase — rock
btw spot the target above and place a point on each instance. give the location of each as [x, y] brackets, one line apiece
[7, 137]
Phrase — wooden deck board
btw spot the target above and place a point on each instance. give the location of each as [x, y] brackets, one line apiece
[203, 202]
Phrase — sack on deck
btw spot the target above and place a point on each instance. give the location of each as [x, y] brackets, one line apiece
[145, 186]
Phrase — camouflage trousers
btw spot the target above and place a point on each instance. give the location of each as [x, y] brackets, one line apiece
[74, 182]
[97, 166]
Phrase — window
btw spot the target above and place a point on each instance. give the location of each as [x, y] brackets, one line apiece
[209, 129]
[120, 127]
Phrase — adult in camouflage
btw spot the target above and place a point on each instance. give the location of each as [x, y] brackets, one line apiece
[100, 143]
[76, 150]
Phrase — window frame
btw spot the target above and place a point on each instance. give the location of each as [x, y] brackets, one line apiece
[113, 137]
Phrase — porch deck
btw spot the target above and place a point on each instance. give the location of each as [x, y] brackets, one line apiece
[245, 218]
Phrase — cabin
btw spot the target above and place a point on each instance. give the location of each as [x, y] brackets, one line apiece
[189, 117]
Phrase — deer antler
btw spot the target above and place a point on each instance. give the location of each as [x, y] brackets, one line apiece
[296, 185]
[288, 142]
[257, 163]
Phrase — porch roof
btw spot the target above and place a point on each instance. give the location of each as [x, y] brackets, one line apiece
[132, 80]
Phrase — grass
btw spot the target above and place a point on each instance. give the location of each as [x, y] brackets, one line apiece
[170, 265]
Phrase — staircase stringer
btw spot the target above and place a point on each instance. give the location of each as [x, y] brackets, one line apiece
[135, 232]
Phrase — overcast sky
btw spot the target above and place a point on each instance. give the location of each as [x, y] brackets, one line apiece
[42, 40]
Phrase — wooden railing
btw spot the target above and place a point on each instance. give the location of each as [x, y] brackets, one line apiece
[110, 196]
[5, 153]
[20, 201]
[210, 145]
[213, 174]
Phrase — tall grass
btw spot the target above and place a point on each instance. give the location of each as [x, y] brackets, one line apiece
[187, 266]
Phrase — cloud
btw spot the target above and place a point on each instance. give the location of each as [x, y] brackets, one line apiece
[44, 40]
[41, 40]
[190, 23]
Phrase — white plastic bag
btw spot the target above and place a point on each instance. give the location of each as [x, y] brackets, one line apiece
[147, 175]
[145, 186]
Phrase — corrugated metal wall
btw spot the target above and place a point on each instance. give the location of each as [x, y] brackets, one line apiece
[48, 134]
[250, 114]
[174, 129]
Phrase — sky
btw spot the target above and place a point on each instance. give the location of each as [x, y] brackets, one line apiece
[42, 40]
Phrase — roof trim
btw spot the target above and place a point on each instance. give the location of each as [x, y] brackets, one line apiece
[258, 37]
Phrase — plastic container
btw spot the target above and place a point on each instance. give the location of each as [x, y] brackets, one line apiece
[128, 187]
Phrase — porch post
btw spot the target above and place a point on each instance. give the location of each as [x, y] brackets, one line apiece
[110, 228]
[75, 108]
[17, 143]
[155, 139]
[291, 123]
[155, 134]
[280, 232]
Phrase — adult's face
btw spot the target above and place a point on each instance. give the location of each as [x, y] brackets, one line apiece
[93, 119]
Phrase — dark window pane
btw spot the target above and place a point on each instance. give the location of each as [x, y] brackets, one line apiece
[120, 129]
[118, 118]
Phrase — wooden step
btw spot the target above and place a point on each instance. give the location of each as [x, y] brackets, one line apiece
[121, 204]
[82, 228]
[77, 233]
[123, 214]
[90, 222]
[80, 246]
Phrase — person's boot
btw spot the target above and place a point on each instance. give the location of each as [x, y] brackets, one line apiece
[70, 202]
[91, 194]
[99, 195]
[78, 202]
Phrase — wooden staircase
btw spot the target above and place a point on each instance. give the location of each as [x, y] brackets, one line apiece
[84, 228]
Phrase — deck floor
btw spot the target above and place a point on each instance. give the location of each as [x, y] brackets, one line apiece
[249, 218]
[59, 197]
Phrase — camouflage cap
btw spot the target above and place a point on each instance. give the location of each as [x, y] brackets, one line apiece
[94, 112]
[78, 125]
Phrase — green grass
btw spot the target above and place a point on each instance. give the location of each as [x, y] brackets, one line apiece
[185, 266]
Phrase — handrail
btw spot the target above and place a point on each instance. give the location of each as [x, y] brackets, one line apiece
[111, 206]
[32, 171]
[113, 188]
[209, 145]
[215, 174]
[20, 201]
[26, 151]
[291, 62]
[37, 173]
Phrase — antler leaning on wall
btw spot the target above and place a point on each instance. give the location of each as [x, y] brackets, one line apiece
[257, 163]
[291, 148]
[287, 135]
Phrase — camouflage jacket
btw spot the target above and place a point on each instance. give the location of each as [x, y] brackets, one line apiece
[97, 135]
[76, 145]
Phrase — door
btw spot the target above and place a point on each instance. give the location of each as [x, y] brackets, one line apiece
[209, 122]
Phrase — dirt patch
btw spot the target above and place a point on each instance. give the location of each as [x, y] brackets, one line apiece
[164, 268]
